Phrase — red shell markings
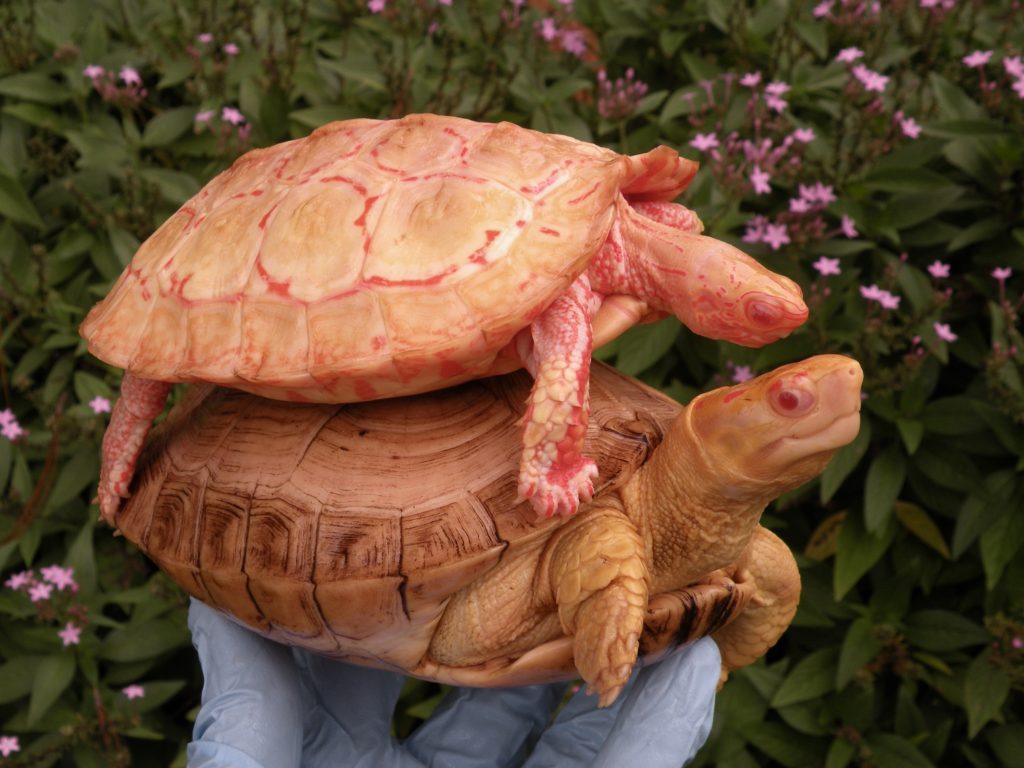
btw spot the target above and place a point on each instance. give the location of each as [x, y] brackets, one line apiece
[343, 244]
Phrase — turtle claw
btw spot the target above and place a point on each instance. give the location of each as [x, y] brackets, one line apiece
[558, 491]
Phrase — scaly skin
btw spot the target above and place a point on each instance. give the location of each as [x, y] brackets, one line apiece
[600, 581]
[141, 401]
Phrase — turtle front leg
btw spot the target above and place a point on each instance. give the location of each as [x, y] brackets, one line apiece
[599, 579]
[553, 474]
[141, 401]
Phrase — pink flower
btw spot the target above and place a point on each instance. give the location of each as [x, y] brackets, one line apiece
[849, 54]
[573, 41]
[888, 300]
[775, 235]
[376, 6]
[547, 29]
[19, 580]
[71, 635]
[977, 59]
[846, 224]
[94, 71]
[799, 205]
[130, 76]
[759, 179]
[205, 37]
[755, 229]
[61, 578]
[133, 692]
[704, 141]
[447, 3]
[778, 88]
[827, 266]
[40, 591]
[870, 292]
[742, 373]
[871, 80]
[822, 9]
[750, 79]
[821, 194]
[99, 405]
[1014, 66]
[9, 745]
[1018, 88]
[803, 135]
[230, 49]
[937, 269]
[910, 127]
[12, 430]
[943, 332]
[7, 417]
[619, 99]
[205, 116]
[1002, 273]
[1017, 643]
[232, 115]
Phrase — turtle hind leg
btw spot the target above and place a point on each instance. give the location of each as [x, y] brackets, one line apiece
[141, 401]
[554, 475]
[600, 583]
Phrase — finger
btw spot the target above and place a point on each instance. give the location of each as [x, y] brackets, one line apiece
[250, 714]
[484, 727]
[348, 711]
[660, 719]
[667, 715]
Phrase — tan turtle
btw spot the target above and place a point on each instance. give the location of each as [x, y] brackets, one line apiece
[388, 533]
[382, 258]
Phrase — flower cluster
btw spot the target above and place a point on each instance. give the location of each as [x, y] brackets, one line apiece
[229, 126]
[9, 426]
[849, 12]
[1012, 71]
[42, 590]
[618, 99]
[562, 32]
[124, 88]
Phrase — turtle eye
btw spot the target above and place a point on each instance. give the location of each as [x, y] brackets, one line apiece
[793, 401]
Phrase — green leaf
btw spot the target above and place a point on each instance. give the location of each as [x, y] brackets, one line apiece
[17, 677]
[891, 751]
[952, 416]
[157, 692]
[953, 103]
[1000, 543]
[143, 641]
[882, 488]
[919, 523]
[53, 676]
[167, 126]
[812, 677]
[953, 129]
[15, 205]
[783, 745]
[813, 33]
[75, 476]
[907, 211]
[985, 689]
[840, 754]
[844, 462]
[34, 86]
[912, 431]
[947, 467]
[979, 231]
[175, 186]
[982, 508]
[939, 630]
[857, 552]
[860, 646]
[314, 117]
[1007, 742]
[644, 345]
[34, 114]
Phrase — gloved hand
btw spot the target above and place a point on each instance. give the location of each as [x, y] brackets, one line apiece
[269, 706]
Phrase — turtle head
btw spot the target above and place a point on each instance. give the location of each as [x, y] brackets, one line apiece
[776, 432]
[726, 294]
[716, 290]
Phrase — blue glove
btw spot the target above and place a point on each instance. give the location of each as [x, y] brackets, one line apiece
[269, 706]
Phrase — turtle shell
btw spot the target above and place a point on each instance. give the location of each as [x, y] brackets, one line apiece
[345, 529]
[369, 259]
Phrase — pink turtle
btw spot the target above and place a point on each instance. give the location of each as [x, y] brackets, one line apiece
[383, 258]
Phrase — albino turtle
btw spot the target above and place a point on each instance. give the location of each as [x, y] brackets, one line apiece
[389, 534]
[383, 258]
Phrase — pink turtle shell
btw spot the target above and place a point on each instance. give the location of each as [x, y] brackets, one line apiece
[370, 259]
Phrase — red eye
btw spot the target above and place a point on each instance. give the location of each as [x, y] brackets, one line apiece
[793, 401]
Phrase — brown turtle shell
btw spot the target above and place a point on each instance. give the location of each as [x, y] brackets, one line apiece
[344, 529]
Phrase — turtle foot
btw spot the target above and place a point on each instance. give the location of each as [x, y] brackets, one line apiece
[558, 490]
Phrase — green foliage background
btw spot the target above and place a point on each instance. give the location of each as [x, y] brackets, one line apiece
[905, 651]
